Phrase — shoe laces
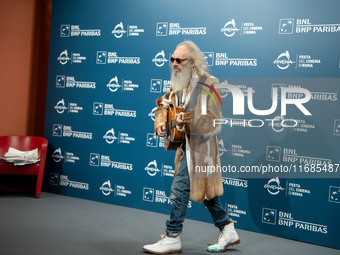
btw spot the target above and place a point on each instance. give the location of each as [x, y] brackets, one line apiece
[222, 238]
[218, 243]
[159, 243]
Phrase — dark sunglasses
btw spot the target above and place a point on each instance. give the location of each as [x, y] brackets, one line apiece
[178, 60]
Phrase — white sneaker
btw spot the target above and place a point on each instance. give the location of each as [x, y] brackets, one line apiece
[228, 237]
[167, 245]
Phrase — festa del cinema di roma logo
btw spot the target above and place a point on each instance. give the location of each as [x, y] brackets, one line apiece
[238, 102]
[283, 61]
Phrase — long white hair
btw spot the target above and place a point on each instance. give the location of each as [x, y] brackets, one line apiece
[197, 56]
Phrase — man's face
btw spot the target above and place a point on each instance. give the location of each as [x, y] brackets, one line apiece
[181, 53]
[181, 69]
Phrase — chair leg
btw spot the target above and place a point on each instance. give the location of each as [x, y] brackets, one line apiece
[38, 185]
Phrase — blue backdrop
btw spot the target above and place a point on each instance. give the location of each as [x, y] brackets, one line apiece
[109, 62]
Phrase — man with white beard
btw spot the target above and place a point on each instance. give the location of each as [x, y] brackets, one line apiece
[199, 150]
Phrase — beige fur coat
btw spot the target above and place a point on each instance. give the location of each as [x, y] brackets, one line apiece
[201, 138]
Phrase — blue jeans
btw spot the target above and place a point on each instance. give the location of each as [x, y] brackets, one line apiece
[180, 194]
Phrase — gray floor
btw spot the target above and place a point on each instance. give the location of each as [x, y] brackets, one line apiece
[56, 224]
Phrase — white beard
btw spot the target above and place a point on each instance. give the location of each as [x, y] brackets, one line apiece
[181, 80]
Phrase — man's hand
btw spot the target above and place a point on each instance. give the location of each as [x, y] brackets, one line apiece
[160, 131]
[179, 119]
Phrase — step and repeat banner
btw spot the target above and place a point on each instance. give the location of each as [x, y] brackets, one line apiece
[278, 64]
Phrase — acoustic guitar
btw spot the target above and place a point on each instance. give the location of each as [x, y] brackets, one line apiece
[173, 137]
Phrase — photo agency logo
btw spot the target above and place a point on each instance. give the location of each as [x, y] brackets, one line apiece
[204, 96]
[239, 106]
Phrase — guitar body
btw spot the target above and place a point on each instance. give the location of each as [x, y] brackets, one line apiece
[173, 137]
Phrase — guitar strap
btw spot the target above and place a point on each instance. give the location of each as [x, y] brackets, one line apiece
[194, 95]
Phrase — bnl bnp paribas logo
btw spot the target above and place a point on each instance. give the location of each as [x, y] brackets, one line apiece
[159, 85]
[286, 26]
[290, 155]
[153, 140]
[286, 219]
[336, 130]
[107, 57]
[175, 29]
[273, 153]
[334, 194]
[74, 30]
[209, 58]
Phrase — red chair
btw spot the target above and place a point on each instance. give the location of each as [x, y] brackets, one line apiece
[24, 143]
